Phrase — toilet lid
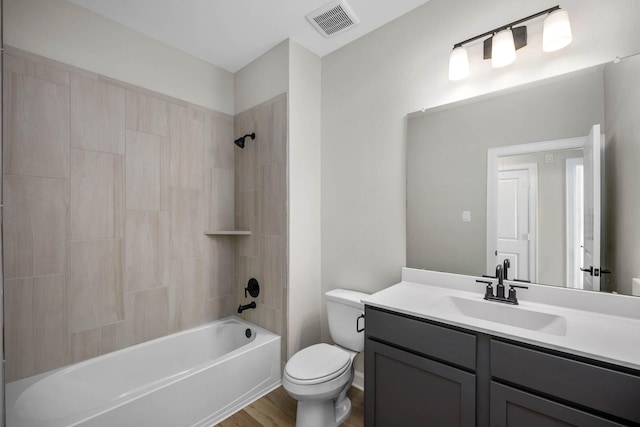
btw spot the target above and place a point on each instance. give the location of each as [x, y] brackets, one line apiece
[317, 363]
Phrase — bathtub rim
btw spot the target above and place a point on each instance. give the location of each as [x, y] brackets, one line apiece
[15, 389]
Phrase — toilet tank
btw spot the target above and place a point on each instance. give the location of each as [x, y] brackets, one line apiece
[343, 309]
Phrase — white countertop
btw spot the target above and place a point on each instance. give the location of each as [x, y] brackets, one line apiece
[599, 326]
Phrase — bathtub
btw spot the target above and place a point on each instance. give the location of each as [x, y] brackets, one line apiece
[192, 378]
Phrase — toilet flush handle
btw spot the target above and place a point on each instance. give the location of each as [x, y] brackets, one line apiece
[358, 328]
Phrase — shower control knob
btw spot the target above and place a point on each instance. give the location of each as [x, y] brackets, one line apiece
[253, 288]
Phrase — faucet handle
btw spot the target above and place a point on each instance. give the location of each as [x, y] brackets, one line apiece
[489, 290]
[512, 292]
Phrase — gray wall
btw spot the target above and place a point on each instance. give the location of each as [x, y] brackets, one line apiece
[447, 158]
[623, 173]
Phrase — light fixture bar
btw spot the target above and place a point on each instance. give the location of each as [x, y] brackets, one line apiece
[504, 27]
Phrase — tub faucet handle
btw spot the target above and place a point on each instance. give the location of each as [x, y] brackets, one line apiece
[253, 287]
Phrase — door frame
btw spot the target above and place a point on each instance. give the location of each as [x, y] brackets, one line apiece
[570, 199]
[493, 155]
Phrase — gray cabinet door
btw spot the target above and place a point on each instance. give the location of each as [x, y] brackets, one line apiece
[403, 389]
[514, 408]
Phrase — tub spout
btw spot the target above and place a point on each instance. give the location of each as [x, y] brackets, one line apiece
[242, 308]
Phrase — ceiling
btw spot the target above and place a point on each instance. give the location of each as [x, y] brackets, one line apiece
[232, 33]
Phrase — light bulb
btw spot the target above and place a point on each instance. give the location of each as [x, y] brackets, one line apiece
[458, 64]
[503, 49]
[556, 32]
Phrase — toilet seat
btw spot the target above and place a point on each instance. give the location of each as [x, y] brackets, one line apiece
[317, 364]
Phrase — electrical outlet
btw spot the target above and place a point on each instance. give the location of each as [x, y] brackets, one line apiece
[466, 216]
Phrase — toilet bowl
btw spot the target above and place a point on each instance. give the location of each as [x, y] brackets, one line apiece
[319, 376]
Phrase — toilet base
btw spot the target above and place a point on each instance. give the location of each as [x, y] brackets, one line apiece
[326, 413]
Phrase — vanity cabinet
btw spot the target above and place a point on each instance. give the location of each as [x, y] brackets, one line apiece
[421, 372]
[406, 383]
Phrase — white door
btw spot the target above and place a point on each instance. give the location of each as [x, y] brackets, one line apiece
[591, 222]
[514, 222]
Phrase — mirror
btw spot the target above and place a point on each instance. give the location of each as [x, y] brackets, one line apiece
[448, 180]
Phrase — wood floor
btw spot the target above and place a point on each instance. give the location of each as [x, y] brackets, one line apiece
[279, 409]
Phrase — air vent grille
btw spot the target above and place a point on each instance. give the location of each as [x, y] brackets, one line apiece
[333, 18]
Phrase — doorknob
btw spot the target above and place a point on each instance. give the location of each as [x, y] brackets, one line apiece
[588, 270]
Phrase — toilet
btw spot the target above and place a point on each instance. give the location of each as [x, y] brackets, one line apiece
[319, 376]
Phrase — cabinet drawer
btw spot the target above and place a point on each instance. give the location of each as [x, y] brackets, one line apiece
[458, 348]
[590, 386]
[512, 407]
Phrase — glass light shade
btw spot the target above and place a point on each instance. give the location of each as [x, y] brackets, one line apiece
[503, 49]
[556, 32]
[458, 64]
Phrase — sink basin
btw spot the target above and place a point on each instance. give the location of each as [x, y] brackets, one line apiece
[504, 314]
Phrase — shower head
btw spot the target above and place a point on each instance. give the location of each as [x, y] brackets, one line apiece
[240, 141]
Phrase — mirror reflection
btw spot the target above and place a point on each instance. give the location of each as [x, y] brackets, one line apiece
[511, 176]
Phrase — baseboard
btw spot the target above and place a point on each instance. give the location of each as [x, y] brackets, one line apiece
[358, 380]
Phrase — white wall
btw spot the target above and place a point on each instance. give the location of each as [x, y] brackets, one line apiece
[370, 85]
[263, 78]
[68, 33]
[304, 198]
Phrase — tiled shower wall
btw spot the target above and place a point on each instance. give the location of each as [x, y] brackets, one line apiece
[107, 190]
[261, 207]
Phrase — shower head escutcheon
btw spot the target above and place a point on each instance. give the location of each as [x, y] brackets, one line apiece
[240, 141]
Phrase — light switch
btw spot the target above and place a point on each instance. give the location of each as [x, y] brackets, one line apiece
[466, 216]
[548, 158]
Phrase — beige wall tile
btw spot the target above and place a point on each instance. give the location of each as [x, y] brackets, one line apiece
[175, 295]
[97, 115]
[268, 318]
[273, 199]
[218, 308]
[246, 167]
[187, 137]
[147, 314]
[187, 223]
[219, 267]
[146, 113]
[19, 329]
[29, 68]
[220, 199]
[85, 345]
[94, 342]
[109, 338]
[186, 294]
[146, 250]
[97, 195]
[272, 263]
[35, 226]
[50, 322]
[248, 219]
[219, 144]
[95, 284]
[36, 127]
[147, 169]
[264, 134]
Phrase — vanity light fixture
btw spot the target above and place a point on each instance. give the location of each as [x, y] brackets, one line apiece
[503, 42]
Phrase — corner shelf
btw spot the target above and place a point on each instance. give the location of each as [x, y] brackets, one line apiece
[227, 233]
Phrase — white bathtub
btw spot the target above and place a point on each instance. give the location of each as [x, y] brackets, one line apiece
[192, 378]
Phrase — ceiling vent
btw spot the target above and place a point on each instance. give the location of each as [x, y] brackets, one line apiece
[333, 18]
